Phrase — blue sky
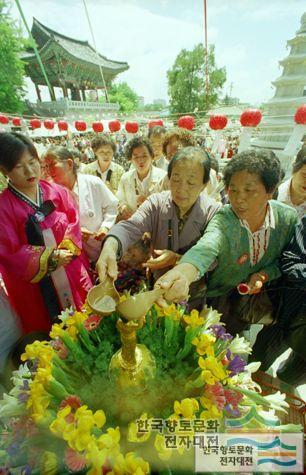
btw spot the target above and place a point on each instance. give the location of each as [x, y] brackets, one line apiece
[250, 37]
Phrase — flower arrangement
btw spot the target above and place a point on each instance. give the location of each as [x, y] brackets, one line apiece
[66, 414]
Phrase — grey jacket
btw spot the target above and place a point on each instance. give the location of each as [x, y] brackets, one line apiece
[157, 214]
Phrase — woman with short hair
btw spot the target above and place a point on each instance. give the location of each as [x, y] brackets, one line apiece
[97, 204]
[137, 184]
[176, 219]
[246, 238]
[104, 167]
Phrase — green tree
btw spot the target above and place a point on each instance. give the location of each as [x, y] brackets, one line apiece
[11, 65]
[125, 96]
[187, 80]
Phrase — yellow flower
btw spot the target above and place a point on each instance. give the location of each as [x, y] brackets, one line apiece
[96, 456]
[136, 465]
[130, 465]
[40, 350]
[213, 370]
[186, 408]
[57, 331]
[48, 464]
[204, 343]
[38, 401]
[163, 452]
[172, 312]
[211, 411]
[193, 320]
[134, 435]
[110, 440]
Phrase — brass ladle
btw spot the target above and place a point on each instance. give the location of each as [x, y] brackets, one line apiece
[136, 306]
[103, 298]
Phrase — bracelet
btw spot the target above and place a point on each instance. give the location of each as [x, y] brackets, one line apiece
[53, 261]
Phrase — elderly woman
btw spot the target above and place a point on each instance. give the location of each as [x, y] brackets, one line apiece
[246, 237]
[140, 182]
[97, 204]
[175, 219]
[293, 191]
[156, 137]
[104, 167]
[175, 139]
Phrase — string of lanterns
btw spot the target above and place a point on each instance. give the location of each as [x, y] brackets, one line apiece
[248, 118]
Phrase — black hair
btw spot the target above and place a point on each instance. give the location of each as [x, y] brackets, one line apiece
[195, 154]
[263, 163]
[156, 130]
[100, 140]
[12, 147]
[300, 160]
[136, 142]
[63, 154]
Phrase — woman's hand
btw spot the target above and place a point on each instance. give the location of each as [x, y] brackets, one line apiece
[125, 213]
[176, 283]
[107, 262]
[100, 235]
[256, 282]
[165, 259]
[86, 234]
[140, 199]
[64, 257]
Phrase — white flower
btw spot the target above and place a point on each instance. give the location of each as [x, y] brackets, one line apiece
[277, 401]
[253, 367]
[65, 314]
[211, 316]
[240, 346]
[11, 407]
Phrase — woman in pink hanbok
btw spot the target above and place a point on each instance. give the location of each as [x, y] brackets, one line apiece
[43, 267]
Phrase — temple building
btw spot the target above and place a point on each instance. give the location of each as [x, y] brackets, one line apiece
[73, 65]
[290, 93]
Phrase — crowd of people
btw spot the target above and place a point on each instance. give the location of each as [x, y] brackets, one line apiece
[153, 209]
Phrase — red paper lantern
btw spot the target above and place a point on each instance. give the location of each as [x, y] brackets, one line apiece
[186, 122]
[131, 127]
[49, 124]
[62, 125]
[218, 122]
[35, 123]
[97, 127]
[80, 125]
[114, 125]
[4, 119]
[250, 117]
[300, 115]
[16, 121]
[154, 123]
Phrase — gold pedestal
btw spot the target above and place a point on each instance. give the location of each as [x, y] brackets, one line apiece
[133, 364]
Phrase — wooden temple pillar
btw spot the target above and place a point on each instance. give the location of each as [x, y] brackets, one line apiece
[38, 92]
[65, 91]
[83, 94]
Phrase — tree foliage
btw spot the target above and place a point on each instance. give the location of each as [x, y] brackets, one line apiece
[11, 65]
[125, 96]
[187, 80]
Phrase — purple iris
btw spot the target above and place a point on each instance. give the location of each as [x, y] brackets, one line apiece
[23, 396]
[231, 411]
[236, 365]
[219, 332]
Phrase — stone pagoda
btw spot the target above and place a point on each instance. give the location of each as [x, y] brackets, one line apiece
[71, 64]
[290, 93]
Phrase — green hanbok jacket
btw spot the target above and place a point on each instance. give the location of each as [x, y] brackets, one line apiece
[226, 241]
